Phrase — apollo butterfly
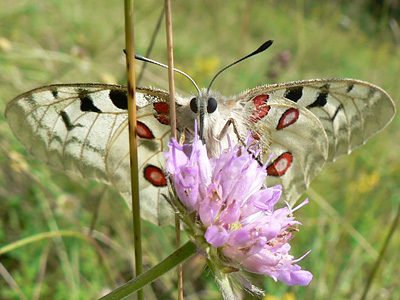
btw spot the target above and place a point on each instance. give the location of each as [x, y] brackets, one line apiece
[83, 128]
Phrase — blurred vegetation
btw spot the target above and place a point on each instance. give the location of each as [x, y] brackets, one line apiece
[353, 201]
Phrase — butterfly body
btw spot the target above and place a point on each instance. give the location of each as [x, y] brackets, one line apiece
[83, 128]
[212, 111]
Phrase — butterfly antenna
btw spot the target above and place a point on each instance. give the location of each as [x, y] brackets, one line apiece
[145, 59]
[260, 49]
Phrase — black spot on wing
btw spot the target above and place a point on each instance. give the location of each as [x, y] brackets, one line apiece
[320, 101]
[294, 94]
[340, 107]
[325, 88]
[67, 121]
[350, 88]
[119, 98]
[87, 102]
[54, 92]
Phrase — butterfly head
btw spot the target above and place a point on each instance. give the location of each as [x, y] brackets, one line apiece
[203, 106]
[212, 112]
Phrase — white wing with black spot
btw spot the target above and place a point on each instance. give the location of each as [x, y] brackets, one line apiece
[83, 128]
[305, 123]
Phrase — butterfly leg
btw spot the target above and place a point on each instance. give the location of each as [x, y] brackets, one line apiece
[183, 132]
[182, 137]
[225, 130]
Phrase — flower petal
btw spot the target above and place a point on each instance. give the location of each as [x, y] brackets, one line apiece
[235, 210]
[216, 235]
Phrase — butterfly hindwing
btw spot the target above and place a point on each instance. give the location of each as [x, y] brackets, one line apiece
[83, 128]
[153, 132]
[293, 135]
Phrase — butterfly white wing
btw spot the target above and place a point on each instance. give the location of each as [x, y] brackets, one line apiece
[350, 111]
[82, 128]
[153, 136]
[293, 135]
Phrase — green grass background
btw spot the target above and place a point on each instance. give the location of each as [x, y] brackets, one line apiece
[353, 201]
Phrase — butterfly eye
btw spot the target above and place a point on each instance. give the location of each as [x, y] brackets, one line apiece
[211, 105]
[193, 105]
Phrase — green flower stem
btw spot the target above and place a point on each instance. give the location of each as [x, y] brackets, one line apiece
[179, 256]
[133, 142]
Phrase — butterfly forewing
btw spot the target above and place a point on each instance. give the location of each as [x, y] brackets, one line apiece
[350, 110]
[362, 109]
[343, 113]
[83, 128]
[51, 124]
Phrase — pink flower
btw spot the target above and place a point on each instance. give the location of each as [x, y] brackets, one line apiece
[235, 209]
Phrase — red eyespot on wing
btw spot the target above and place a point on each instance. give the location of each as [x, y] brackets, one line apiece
[155, 176]
[288, 118]
[162, 109]
[164, 119]
[260, 100]
[261, 108]
[280, 165]
[143, 131]
[256, 135]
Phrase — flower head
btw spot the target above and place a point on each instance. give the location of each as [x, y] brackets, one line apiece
[234, 210]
